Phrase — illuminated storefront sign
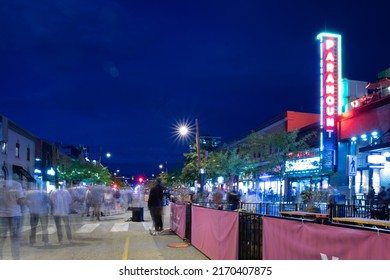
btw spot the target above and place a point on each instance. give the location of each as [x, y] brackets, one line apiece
[306, 164]
[330, 90]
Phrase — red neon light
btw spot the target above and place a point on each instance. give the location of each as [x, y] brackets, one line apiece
[330, 84]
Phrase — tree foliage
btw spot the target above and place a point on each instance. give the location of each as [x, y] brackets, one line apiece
[79, 171]
[273, 150]
[225, 163]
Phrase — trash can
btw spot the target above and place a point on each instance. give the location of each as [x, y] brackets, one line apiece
[138, 214]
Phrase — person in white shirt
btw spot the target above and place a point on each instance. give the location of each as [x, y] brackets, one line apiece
[38, 204]
[61, 201]
[11, 199]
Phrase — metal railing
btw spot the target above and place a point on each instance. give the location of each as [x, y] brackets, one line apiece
[251, 220]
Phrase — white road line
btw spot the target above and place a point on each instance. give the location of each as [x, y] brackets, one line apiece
[87, 228]
[120, 227]
[25, 228]
[147, 225]
[50, 230]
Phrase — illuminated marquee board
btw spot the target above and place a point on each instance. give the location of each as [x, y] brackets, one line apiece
[330, 90]
[303, 165]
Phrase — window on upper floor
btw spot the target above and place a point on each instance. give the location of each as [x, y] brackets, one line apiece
[4, 148]
[17, 150]
[28, 153]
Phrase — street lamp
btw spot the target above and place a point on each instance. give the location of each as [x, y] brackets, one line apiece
[184, 130]
[108, 155]
[161, 166]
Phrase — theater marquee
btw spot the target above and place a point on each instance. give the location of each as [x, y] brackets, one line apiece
[330, 90]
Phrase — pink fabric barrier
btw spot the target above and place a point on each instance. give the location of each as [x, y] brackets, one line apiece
[294, 240]
[215, 233]
[178, 219]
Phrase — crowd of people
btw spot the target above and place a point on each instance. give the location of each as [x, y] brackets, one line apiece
[40, 205]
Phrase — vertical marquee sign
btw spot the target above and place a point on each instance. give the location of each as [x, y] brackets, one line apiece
[330, 88]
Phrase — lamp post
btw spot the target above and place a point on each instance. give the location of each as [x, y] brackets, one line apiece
[161, 166]
[108, 155]
[184, 130]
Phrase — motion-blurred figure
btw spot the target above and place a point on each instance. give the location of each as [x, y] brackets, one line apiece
[11, 199]
[155, 204]
[39, 206]
[61, 201]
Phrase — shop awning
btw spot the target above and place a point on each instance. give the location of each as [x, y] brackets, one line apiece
[22, 172]
[383, 143]
[377, 147]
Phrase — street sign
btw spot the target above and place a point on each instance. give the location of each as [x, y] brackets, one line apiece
[351, 165]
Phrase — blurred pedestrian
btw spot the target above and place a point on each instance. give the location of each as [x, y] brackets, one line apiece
[87, 201]
[11, 200]
[370, 196]
[61, 201]
[330, 201]
[217, 198]
[39, 208]
[293, 195]
[155, 203]
[108, 200]
[382, 197]
[97, 201]
[234, 199]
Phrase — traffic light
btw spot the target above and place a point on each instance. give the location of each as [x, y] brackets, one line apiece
[140, 180]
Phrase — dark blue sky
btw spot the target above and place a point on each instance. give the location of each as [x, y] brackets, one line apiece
[120, 74]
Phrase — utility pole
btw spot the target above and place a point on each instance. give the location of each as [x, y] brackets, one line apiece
[200, 170]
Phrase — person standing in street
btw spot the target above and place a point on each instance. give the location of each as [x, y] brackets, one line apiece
[234, 199]
[11, 200]
[39, 206]
[330, 201]
[61, 201]
[155, 203]
[371, 196]
[97, 201]
[87, 201]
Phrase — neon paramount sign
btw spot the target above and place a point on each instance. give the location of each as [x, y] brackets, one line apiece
[330, 83]
[330, 71]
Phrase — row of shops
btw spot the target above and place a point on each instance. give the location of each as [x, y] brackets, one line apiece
[354, 129]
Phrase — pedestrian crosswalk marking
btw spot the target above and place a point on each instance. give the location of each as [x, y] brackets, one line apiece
[25, 228]
[120, 227]
[147, 225]
[87, 228]
[50, 230]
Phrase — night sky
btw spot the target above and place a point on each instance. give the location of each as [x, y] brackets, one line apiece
[121, 74]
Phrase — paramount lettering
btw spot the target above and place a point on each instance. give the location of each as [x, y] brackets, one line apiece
[330, 46]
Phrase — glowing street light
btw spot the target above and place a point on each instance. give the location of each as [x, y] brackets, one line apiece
[184, 131]
[108, 155]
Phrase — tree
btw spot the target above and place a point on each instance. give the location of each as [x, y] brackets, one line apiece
[190, 170]
[228, 164]
[273, 150]
[79, 171]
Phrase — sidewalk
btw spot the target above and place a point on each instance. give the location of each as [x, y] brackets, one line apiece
[115, 237]
[144, 246]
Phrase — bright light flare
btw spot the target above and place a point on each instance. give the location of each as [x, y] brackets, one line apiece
[183, 131]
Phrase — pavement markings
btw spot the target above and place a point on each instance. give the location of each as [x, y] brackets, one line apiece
[25, 228]
[87, 228]
[125, 253]
[147, 225]
[120, 227]
[50, 230]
